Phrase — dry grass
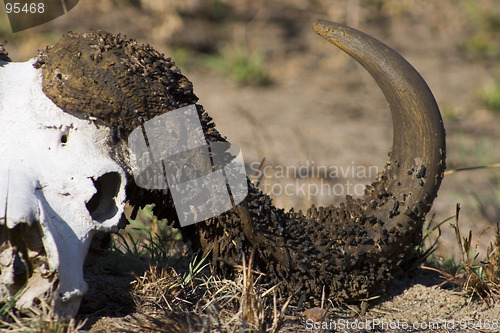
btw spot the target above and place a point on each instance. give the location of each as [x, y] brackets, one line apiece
[477, 278]
[204, 304]
[160, 304]
[45, 322]
[242, 304]
[158, 289]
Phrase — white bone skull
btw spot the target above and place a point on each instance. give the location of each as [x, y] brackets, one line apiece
[59, 185]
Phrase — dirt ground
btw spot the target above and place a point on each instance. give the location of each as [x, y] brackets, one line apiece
[322, 111]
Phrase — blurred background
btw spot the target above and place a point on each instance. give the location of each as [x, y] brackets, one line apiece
[318, 119]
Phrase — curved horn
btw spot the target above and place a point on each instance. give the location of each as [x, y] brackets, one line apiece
[418, 150]
[348, 252]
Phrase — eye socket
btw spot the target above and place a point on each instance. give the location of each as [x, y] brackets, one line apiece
[64, 138]
[102, 205]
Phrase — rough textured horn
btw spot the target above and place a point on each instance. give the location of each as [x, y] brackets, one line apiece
[350, 250]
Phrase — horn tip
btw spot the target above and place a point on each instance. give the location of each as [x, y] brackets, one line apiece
[336, 33]
[324, 27]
